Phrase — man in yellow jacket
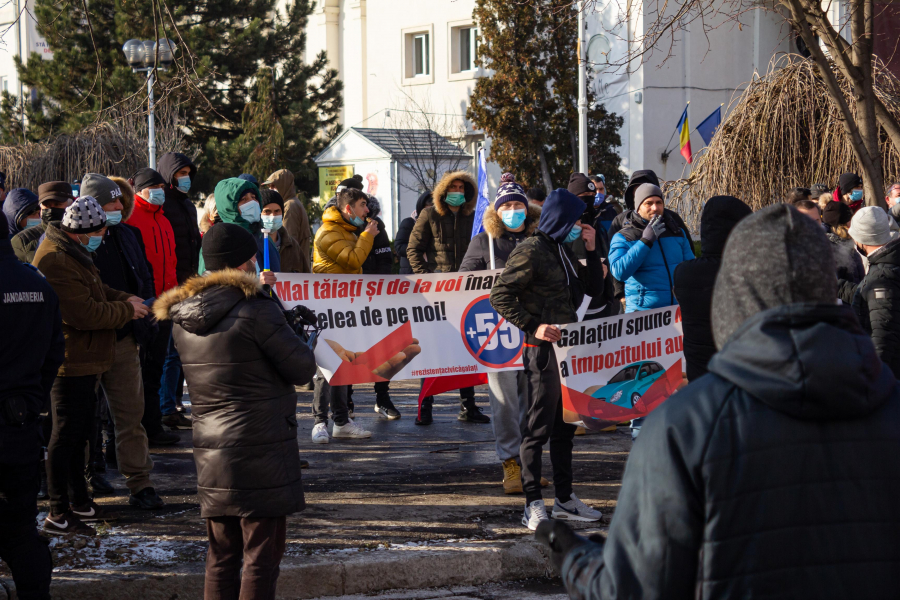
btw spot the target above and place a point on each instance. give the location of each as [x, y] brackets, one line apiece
[337, 249]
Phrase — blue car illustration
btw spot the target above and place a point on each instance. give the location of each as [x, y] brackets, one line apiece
[627, 386]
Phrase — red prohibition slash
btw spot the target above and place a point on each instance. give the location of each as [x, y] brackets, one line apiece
[515, 361]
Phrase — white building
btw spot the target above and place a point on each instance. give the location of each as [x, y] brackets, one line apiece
[18, 37]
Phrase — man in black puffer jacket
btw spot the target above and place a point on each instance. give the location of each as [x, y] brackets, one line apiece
[242, 361]
[401, 240]
[695, 280]
[876, 300]
[771, 476]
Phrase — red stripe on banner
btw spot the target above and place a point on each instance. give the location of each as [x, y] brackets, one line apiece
[588, 409]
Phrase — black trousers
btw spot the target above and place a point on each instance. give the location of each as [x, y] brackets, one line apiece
[21, 547]
[152, 359]
[74, 404]
[545, 422]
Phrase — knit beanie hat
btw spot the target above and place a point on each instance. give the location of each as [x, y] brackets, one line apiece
[146, 177]
[270, 196]
[84, 216]
[774, 257]
[837, 213]
[249, 177]
[848, 181]
[871, 226]
[509, 191]
[646, 190]
[55, 191]
[100, 187]
[352, 182]
[227, 246]
[579, 183]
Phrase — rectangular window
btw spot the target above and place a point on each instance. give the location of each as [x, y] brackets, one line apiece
[468, 48]
[421, 57]
[4, 84]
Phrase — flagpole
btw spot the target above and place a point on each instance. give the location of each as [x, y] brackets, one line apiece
[582, 94]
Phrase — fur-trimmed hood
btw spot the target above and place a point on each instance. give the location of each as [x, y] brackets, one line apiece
[127, 198]
[440, 193]
[203, 300]
[493, 224]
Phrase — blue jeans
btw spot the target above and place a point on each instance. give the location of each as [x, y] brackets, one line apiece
[171, 376]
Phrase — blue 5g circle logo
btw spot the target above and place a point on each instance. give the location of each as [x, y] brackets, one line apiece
[489, 338]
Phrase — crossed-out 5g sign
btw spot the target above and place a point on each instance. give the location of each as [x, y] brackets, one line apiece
[489, 338]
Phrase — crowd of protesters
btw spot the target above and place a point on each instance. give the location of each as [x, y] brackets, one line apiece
[114, 296]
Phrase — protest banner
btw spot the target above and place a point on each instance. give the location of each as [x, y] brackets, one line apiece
[619, 368]
[383, 327]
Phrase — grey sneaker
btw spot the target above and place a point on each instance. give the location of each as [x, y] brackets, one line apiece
[534, 514]
[574, 510]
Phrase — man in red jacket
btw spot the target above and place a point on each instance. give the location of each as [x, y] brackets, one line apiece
[159, 244]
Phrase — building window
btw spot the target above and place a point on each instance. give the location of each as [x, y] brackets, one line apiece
[421, 55]
[418, 55]
[468, 48]
[4, 84]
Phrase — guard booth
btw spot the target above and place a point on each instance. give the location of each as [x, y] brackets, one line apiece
[394, 165]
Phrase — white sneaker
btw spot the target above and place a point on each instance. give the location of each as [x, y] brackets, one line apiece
[534, 514]
[351, 430]
[574, 510]
[320, 434]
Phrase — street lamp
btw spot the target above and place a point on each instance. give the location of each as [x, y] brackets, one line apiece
[146, 56]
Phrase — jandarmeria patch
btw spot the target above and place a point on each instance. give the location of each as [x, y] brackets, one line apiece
[22, 297]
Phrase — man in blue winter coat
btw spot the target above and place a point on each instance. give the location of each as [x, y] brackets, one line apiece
[645, 252]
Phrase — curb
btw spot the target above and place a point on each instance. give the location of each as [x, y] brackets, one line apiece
[417, 567]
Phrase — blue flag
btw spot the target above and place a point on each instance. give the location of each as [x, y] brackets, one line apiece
[483, 201]
[707, 129]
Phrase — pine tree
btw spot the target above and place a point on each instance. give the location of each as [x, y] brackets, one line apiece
[228, 41]
[529, 106]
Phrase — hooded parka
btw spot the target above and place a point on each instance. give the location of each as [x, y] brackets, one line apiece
[91, 310]
[695, 280]
[440, 237]
[242, 361]
[19, 203]
[182, 215]
[338, 249]
[296, 221]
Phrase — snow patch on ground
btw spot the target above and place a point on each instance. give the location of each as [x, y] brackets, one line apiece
[115, 547]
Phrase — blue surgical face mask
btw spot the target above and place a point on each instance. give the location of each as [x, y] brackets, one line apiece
[272, 223]
[256, 264]
[250, 212]
[184, 184]
[456, 199]
[113, 218]
[157, 196]
[32, 223]
[93, 243]
[574, 234]
[599, 198]
[513, 219]
[357, 221]
[856, 195]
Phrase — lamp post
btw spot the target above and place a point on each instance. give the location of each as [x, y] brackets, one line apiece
[147, 56]
[582, 93]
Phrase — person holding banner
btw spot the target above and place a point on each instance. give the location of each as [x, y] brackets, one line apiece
[438, 244]
[507, 223]
[543, 285]
[242, 361]
[338, 249]
[771, 476]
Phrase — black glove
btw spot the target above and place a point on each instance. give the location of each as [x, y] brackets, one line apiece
[306, 315]
[561, 540]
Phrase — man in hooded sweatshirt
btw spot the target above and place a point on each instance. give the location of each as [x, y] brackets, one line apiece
[22, 209]
[438, 244]
[296, 221]
[542, 286]
[179, 172]
[695, 280]
[242, 361]
[770, 476]
[55, 197]
[876, 300]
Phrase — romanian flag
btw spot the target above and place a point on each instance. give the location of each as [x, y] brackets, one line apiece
[684, 135]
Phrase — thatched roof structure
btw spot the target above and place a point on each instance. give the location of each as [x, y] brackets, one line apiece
[784, 131]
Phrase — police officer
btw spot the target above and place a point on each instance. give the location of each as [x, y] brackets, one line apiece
[31, 353]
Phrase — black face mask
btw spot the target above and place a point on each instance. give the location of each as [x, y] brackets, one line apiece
[52, 214]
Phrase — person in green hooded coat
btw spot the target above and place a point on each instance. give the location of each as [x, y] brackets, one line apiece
[237, 202]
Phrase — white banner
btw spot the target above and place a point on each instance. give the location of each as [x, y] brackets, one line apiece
[382, 327]
[620, 368]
